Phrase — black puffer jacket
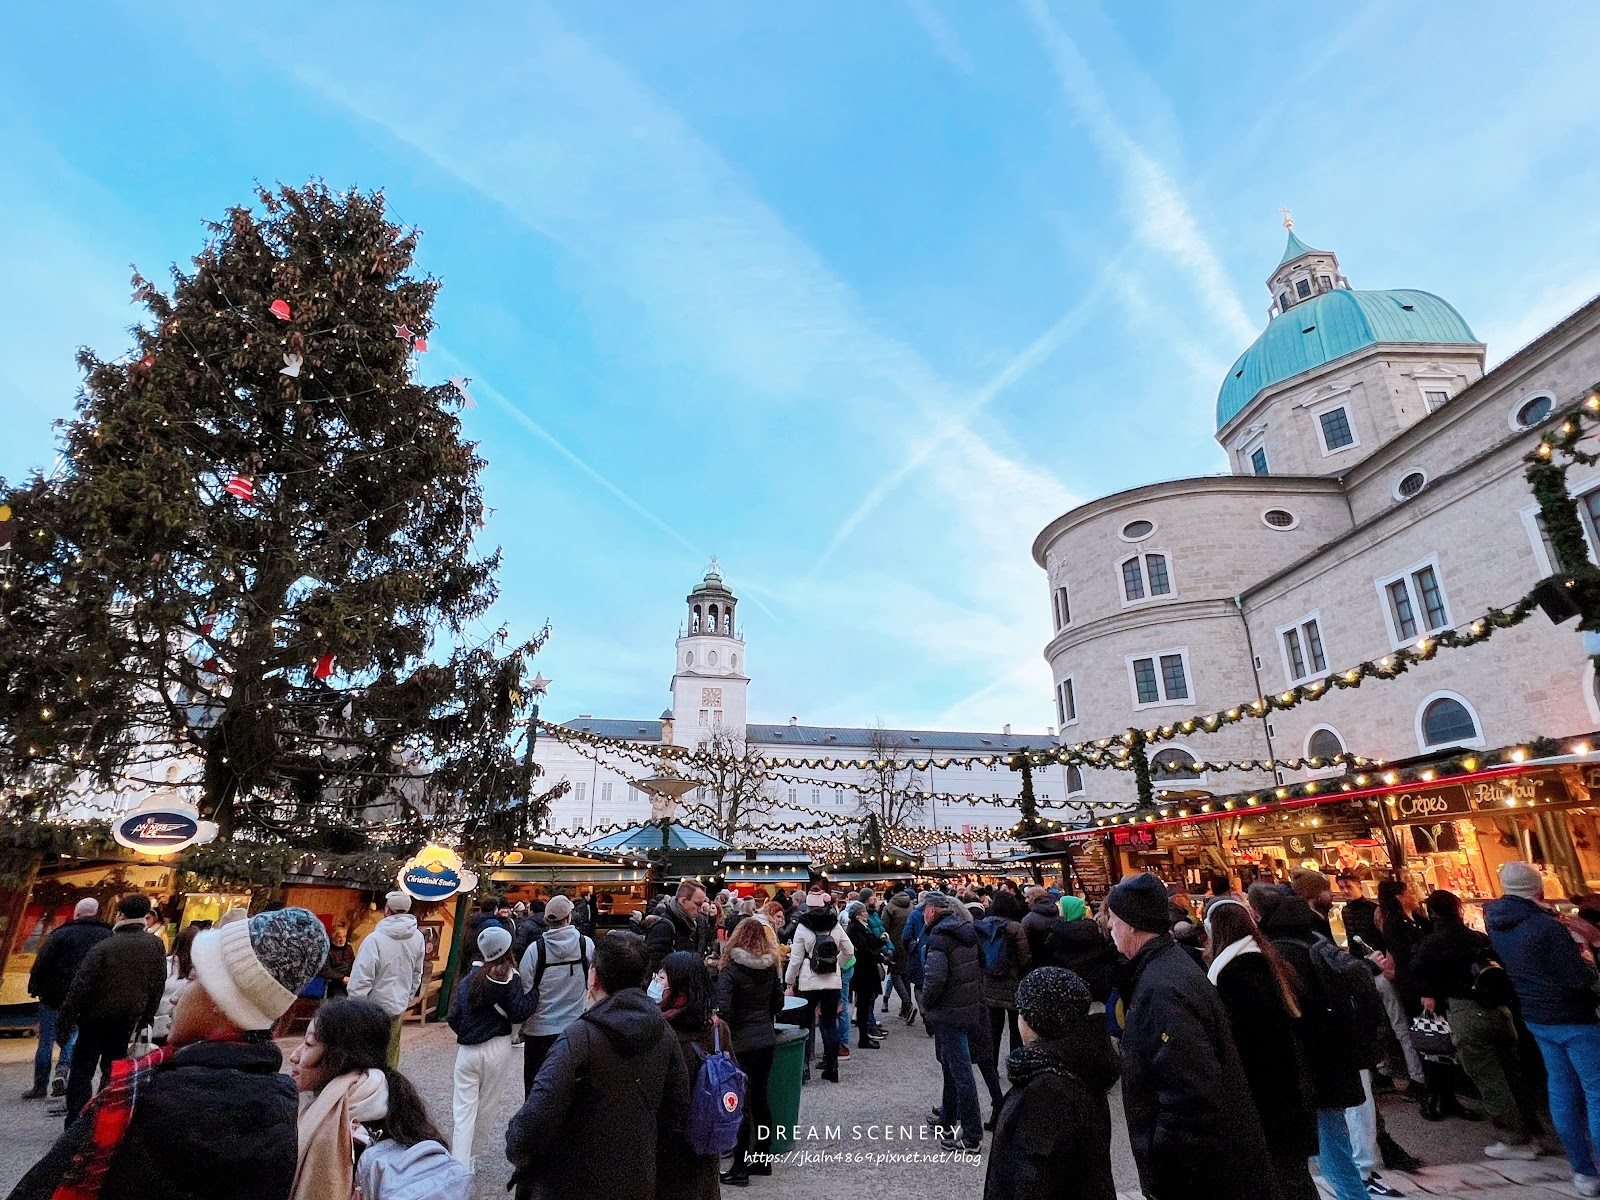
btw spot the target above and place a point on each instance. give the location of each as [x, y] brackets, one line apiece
[1191, 1120]
[674, 930]
[215, 1122]
[1052, 1138]
[61, 955]
[120, 980]
[620, 1058]
[1081, 948]
[1041, 924]
[952, 973]
[866, 979]
[1361, 921]
[749, 994]
[1327, 1029]
[1270, 1051]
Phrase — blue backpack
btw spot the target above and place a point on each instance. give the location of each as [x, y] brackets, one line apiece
[716, 1104]
[994, 947]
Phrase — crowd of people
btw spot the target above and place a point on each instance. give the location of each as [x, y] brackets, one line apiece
[1248, 1042]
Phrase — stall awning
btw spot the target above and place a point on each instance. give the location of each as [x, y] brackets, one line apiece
[766, 866]
[546, 864]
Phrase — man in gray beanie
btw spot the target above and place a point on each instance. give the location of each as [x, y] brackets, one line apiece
[388, 966]
[1191, 1118]
[209, 1113]
[1556, 989]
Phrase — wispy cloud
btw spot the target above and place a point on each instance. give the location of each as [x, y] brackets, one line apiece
[939, 33]
[1162, 216]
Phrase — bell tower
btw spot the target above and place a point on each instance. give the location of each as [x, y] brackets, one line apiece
[709, 683]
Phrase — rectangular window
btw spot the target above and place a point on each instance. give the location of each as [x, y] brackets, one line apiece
[1283, 301]
[1303, 656]
[1172, 677]
[1144, 681]
[1405, 617]
[1436, 400]
[716, 716]
[1302, 288]
[1319, 660]
[1069, 701]
[1063, 609]
[1297, 658]
[1258, 461]
[1159, 678]
[792, 794]
[1132, 580]
[605, 792]
[1336, 431]
[1156, 565]
[1427, 581]
[1326, 281]
[578, 791]
[816, 795]
[705, 718]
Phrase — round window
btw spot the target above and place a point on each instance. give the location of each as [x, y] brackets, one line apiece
[1280, 518]
[1530, 412]
[1409, 485]
[1135, 531]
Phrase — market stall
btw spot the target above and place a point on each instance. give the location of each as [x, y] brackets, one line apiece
[760, 873]
[617, 883]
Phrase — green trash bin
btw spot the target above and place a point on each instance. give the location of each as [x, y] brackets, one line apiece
[783, 1088]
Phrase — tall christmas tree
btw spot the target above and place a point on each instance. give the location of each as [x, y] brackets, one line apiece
[253, 571]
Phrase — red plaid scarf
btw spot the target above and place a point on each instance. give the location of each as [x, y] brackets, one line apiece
[111, 1112]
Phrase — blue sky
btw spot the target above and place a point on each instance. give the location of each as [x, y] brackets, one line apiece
[856, 296]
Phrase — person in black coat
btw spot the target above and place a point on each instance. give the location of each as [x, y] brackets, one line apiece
[678, 925]
[1360, 917]
[1257, 990]
[1043, 925]
[1078, 945]
[952, 991]
[749, 995]
[866, 980]
[53, 968]
[1328, 1032]
[621, 1059]
[1052, 1137]
[1192, 1123]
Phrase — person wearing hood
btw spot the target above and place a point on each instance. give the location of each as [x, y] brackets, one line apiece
[1556, 988]
[50, 977]
[208, 1116]
[1329, 1035]
[679, 926]
[1258, 991]
[621, 1060]
[748, 997]
[555, 975]
[816, 974]
[388, 966]
[1042, 923]
[1079, 945]
[895, 914]
[952, 993]
[1052, 1134]
[1192, 1123]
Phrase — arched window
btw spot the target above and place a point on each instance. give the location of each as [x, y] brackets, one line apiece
[1324, 743]
[727, 623]
[1074, 780]
[1446, 721]
[694, 621]
[1172, 763]
[711, 619]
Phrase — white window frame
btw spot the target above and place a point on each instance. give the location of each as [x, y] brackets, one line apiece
[1477, 743]
[1320, 410]
[605, 791]
[1143, 553]
[1161, 686]
[1082, 783]
[1381, 584]
[1589, 697]
[1523, 402]
[1064, 720]
[1299, 629]
[816, 794]
[579, 791]
[1259, 443]
[1399, 496]
[1428, 392]
[1160, 778]
[1305, 751]
[1061, 606]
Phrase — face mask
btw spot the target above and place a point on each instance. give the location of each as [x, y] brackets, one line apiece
[657, 988]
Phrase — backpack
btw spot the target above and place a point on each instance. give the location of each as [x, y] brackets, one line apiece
[1491, 986]
[716, 1104]
[387, 1170]
[582, 961]
[824, 957]
[994, 947]
[1348, 980]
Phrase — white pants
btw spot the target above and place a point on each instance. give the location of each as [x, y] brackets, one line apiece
[481, 1074]
[1396, 1009]
[1362, 1121]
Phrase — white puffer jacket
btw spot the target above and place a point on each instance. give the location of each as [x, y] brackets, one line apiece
[388, 967]
[815, 923]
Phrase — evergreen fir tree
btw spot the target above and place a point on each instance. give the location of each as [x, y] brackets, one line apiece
[255, 561]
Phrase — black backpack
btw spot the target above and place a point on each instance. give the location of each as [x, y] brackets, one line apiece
[824, 956]
[1491, 986]
[581, 962]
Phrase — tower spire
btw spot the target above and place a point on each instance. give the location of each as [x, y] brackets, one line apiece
[1288, 221]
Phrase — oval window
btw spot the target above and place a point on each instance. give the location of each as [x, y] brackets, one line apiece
[1279, 518]
[1133, 531]
[1410, 485]
[688, 659]
[1532, 411]
[712, 658]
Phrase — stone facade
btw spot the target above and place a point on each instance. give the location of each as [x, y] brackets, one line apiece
[1434, 501]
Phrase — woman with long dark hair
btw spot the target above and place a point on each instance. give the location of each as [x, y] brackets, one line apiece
[1258, 991]
[867, 978]
[687, 1002]
[1396, 981]
[365, 1122]
[489, 1004]
[748, 995]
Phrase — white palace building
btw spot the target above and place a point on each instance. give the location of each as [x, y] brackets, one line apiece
[710, 688]
[1377, 496]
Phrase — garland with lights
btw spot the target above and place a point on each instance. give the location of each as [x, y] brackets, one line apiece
[1548, 463]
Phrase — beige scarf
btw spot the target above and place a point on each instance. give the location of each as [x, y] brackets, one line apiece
[326, 1170]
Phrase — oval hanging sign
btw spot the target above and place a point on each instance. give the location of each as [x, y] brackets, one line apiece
[435, 874]
[157, 831]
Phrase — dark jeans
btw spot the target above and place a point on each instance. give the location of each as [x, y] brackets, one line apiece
[982, 1047]
[99, 1045]
[823, 1008]
[866, 1019]
[757, 1066]
[998, 1018]
[951, 1045]
[902, 988]
[535, 1048]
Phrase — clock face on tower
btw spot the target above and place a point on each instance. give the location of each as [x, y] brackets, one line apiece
[711, 697]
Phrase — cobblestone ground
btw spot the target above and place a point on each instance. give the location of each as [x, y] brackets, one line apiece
[887, 1090]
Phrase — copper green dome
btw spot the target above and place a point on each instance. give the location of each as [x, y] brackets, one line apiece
[1327, 327]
